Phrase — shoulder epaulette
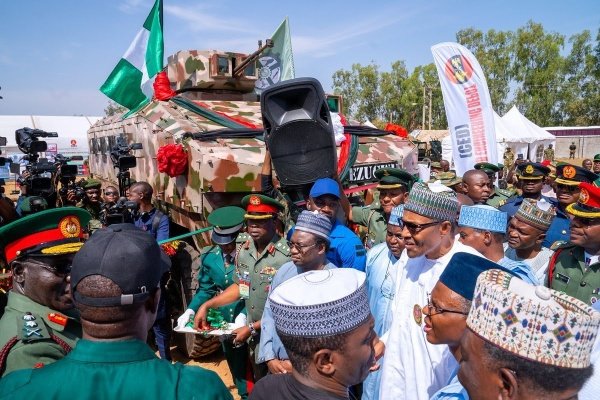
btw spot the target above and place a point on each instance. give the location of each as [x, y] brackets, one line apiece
[283, 247]
[242, 237]
[31, 327]
[561, 244]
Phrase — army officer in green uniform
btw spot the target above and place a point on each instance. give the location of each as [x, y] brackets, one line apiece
[38, 326]
[394, 185]
[575, 266]
[257, 260]
[216, 271]
[91, 203]
[117, 307]
[498, 196]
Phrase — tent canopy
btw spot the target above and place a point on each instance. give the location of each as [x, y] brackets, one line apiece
[524, 131]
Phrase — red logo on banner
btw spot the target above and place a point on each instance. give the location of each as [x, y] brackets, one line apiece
[458, 69]
[73, 143]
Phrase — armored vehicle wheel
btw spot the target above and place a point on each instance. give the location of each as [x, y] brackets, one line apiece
[183, 286]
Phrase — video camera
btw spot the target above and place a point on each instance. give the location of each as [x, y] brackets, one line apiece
[39, 177]
[123, 211]
[122, 159]
[66, 175]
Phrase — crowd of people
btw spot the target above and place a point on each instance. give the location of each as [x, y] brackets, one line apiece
[480, 286]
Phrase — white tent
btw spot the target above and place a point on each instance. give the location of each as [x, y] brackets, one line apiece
[524, 136]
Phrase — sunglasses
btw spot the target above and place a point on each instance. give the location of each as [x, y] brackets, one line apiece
[416, 228]
[567, 188]
[110, 193]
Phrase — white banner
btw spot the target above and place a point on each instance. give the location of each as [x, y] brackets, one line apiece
[468, 106]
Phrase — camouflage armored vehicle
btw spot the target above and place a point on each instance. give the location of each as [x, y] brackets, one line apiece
[216, 117]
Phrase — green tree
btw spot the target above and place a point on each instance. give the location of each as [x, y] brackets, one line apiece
[391, 89]
[539, 72]
[113, 109]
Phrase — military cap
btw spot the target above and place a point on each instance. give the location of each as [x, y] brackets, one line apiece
[588, 205]
[572, 175]
[92, 184]
[597, 157]
[226, 222]
[47, 233]
[259, 206]
[531, 170]
[487, 167]
[436, 165]
[448, 179]
[392, 178]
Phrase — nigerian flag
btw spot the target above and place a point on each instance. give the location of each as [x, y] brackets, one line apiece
[276, 63]
[131, 82]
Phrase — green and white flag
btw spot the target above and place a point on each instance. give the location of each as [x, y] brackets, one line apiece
[131, 82]
[276, 63]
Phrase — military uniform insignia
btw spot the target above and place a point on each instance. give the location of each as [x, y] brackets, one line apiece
[529, 169]
[418, 314]
[268, 270]
[69, 226]
[255, 200]
[584, 196]
[386, 172]
[569, 172]
[58, 319]
[501, 203]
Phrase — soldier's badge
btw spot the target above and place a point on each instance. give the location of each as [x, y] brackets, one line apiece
[255, 200]
[386, 172]
[569, 172]
[58, 319]
[268, 271]
[529, 169]
[584, 196]
[69, 226]
[418, 314]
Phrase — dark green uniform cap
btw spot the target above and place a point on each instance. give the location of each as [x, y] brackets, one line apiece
[448, 179]
[33, 204]
[573, 175]
[392, 178]
[597, 157]
[47, 233]
[531, 170]
[259, 206]
[487, 167]
[92, 184]
[226, 222]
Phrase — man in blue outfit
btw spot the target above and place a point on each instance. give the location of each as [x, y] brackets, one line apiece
[345, 248]
[308, 248]
[155, 223]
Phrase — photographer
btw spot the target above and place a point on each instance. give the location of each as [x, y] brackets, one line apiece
[155, 223]
[91, 202]
[7, 207]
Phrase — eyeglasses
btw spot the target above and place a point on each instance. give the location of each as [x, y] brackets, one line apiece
[439, 310]
[301, 247]
[61, 269]
[567, 188]
[110, 193]
[416, 228]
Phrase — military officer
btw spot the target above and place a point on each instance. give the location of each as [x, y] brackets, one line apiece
[575, 266]
[91, 203]
[38, 326]
[596, 166]
[549, 153]
[498, 196]
[257, 260]
[394, 185]
[531, 181]
[215, 275]
[509, 160]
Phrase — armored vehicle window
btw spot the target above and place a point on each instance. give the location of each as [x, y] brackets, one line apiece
[103, 145]
[92, 145]
[250, 70]
[222, 65]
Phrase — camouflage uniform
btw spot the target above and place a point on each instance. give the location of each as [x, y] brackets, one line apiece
[259, 271]
[500, 197]
[549, 154]
[372, 217]
[94, 210]
[32, 335]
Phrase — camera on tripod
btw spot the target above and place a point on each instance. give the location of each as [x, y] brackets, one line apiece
[39, 177]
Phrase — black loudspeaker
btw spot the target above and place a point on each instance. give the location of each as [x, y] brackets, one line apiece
[298, 131]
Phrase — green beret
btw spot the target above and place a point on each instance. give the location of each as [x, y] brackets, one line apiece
[33, 204]
[92, 184]
[597, 157]
[392, 178]
[489, 168]
[46, 233]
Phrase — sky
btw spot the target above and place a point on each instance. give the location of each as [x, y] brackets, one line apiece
[54, 55]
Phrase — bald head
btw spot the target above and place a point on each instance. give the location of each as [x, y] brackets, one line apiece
[478, 185]
[471, 175]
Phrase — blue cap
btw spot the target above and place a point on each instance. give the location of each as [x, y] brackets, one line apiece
[462, 271]
[325, 186]
[483, 217]
[396, 215]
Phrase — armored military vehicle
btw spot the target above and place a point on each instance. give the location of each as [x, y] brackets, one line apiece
[216, 117]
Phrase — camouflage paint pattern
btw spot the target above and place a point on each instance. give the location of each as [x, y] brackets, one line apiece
[220, 172]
